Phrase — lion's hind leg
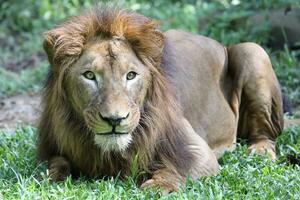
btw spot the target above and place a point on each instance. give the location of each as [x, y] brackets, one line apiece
[258, 97]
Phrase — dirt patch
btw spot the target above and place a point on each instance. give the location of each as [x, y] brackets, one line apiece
[19, 110]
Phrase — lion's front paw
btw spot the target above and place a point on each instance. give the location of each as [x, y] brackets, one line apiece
[165, 187]
[59, 169]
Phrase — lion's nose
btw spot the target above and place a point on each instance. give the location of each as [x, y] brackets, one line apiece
[114, 120]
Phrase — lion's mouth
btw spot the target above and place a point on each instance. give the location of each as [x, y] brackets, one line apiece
[112, 133]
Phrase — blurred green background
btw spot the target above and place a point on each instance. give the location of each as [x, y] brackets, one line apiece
[267, 22]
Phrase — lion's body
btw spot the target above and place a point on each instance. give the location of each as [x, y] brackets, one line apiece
[205, 86]
[120, 92]
[198, 70]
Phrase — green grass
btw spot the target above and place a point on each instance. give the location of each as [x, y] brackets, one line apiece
[241, 176]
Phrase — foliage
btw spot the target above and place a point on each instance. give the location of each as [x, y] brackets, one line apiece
[241, 176]
[287, 68]
[28, 80]
[24, 21]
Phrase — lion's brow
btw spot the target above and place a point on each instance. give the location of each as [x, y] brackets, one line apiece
[110, 52]
[111, 55]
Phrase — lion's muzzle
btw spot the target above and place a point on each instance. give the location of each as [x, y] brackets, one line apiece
[114, 120]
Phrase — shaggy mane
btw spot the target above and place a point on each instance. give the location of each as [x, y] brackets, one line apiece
[160, 136]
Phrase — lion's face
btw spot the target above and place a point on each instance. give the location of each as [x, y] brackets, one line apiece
[107, 87]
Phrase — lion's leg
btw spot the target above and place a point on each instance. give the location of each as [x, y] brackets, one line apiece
[192, 157]
[59, 168]
[257, 95]
[165, 179]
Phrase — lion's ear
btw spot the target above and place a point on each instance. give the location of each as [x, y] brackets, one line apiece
[156, 45]
[159, 39]
[48, 44]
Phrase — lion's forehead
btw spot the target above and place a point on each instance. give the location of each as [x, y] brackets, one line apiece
[107, 55]
[110, 48]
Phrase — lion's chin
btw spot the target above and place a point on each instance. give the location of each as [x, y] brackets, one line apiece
[113, 142]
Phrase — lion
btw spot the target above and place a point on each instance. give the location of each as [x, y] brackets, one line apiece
[122, 93]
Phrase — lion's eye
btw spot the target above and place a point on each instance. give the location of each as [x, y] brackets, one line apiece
[89, 75]
[131, 75]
